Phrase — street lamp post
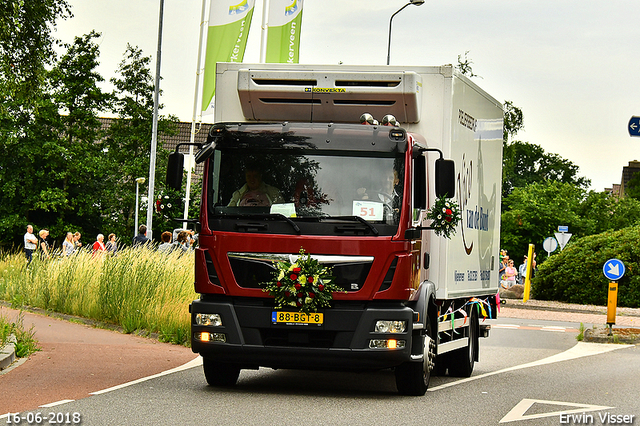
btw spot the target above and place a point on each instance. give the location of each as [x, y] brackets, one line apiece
[415, 2]
[138, 182]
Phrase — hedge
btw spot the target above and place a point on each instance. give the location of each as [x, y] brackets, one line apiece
[575, 274]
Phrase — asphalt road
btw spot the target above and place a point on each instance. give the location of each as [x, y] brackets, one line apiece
[530, 372]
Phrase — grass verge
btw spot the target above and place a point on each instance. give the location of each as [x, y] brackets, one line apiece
[139, 290]
[26, 343]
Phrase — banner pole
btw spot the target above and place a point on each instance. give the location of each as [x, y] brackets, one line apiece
[194, 118]
[264, 30]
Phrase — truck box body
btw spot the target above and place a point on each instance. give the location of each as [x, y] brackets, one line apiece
[351, 196]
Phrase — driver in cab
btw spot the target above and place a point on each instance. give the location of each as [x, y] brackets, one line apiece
[255, 192]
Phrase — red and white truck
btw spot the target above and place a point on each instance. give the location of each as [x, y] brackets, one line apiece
[355, 198]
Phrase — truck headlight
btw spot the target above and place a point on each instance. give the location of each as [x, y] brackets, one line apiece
[214, 320]
[386, 326]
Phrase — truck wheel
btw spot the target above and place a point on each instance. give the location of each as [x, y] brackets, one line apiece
[412, 378]
[220, 373]
[462, 360]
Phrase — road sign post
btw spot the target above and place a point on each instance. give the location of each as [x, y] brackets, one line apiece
[550, 245]
[527, 280]
[612, 303]
[613, 269]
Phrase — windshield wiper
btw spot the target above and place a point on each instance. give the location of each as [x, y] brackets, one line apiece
[279, 216]
[358, 219]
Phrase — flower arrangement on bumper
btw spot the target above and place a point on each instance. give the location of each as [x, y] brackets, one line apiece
[445, 216]
[304, 284]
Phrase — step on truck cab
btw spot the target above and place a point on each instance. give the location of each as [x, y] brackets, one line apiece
[289, 166]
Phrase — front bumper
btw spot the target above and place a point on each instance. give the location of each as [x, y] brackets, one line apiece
[340, 343]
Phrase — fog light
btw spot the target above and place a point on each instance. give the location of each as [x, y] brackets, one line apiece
[205, 336]
[214, 320]
[386, 326]
[387, 344]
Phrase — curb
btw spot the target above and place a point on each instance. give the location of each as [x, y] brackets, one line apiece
[518, 304]
[8, 353]
[601, 336]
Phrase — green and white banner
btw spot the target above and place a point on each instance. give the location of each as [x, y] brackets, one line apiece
[229, 22]
[283, 37]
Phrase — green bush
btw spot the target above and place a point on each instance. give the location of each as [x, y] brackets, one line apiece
[575, 274]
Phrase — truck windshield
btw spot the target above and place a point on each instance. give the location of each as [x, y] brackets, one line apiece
[249, 178]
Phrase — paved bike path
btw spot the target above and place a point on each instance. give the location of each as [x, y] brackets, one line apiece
[77, 359]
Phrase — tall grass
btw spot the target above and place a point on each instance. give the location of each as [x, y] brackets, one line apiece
[137, 289]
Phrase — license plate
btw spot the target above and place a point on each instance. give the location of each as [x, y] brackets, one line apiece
[296, 318]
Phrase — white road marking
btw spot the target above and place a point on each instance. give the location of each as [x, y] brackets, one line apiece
[194, 363]
[582, 349]
[53, 404]
[518, 412]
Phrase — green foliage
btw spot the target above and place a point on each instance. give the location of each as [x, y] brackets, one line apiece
[513, 121]
[25, 343]
[128, 145]
[526, 163]
[534, 212]
[575, 274]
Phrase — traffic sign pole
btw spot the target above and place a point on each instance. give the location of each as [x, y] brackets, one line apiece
[527, 281]
[612, 304]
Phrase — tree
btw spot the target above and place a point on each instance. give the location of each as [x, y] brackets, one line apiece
[533, 213]
[26, 49]
[525, 163]
[513, 121]
[604, 212]
[128, 142]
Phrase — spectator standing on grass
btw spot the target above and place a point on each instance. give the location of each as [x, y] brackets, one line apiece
[98, 246]
[111, 246]
[141, 239]
[67, 245]
[182, 241]
[76, 241]
[30, 243]
[166, 246]
[43, 244]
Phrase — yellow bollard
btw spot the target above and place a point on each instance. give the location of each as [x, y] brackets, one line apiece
[527, 281]
[612, 304]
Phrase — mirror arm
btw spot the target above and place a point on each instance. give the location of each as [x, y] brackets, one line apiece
[418, 152]
[199, 145]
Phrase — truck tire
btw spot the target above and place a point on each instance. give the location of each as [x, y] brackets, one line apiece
[412, 378]
[220, 373]
[462, 360]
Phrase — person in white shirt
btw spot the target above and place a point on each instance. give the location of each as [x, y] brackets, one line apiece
[30, 243]
[67, 245]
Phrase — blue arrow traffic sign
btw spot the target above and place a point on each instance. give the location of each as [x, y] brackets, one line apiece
[634, 126]
[613, 269]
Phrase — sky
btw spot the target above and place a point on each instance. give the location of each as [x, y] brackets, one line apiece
[570, 66]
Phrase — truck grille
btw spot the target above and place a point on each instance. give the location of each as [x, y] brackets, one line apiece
[250, 270]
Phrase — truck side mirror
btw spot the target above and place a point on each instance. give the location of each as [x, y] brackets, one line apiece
[445, 178]
[175, 167]
[420, 183]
